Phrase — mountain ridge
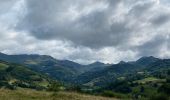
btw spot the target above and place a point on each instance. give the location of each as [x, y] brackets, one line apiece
[96, 73]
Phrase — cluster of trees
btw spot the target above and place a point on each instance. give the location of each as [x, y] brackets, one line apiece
[158, 90]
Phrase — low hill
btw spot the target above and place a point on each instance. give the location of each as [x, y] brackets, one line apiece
[16, 75]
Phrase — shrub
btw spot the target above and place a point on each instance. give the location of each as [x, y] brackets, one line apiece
[165, 88]
[116, 95]
[108, 94]
[168, 80]
[75, 88]
[120, 86]
[159, 97]
[11, 87]
[54, 87]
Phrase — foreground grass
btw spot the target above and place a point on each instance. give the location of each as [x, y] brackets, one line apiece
[27, 94]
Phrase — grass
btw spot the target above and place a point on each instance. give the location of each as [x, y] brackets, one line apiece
[3, 66]
[28, 94]
[31, 62]
[44, 83]
[150, 79]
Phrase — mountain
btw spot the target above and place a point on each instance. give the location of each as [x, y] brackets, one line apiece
[57, 69]
[78, 68]
[145, 61]
[110, 73]
[62, 70]
[39, 71]
[97, 63]
[162, 64]
[24, 58]
[95, 66]
[95, 74]
[16, 75]
[106, 75]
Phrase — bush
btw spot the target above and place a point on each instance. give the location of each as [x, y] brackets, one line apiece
[168, 80]
[11, 87]
[159, 97]
[116, 95]
[165, 88]
[168, 72]
[75, 88]
[108, 94]
[120, 86]
[54, 87]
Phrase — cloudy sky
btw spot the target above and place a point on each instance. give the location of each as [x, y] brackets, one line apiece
[86, 30]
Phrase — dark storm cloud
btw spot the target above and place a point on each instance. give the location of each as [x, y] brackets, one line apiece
[87, 23]
[92, 28]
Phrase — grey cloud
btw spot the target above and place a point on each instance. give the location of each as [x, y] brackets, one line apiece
[161, 19]
[53, 20]
[5, 5]
[44, 21]
[104, 30]
[141, 8]
[153, 47]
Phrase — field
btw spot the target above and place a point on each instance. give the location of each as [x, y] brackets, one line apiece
[150, 79]
[28, 94]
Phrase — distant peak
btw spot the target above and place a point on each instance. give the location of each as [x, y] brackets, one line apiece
[97, 63]
[2, 53]
[122, 62]
[148, 58]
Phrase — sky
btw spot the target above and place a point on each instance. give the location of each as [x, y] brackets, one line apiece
[86, 31]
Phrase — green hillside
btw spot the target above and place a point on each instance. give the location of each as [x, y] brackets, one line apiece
[144, 79]
[62, 70]
[15, 75]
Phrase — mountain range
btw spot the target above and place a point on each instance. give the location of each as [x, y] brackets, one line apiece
[62, 70]
[95, 74]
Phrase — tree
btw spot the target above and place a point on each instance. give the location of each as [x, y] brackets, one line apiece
[165, 88]
[142, 89]
[159, 97]
[54, 87]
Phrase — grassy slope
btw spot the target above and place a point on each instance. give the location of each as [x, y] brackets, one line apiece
[27, 94]
[12, 73]
[149, 80]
